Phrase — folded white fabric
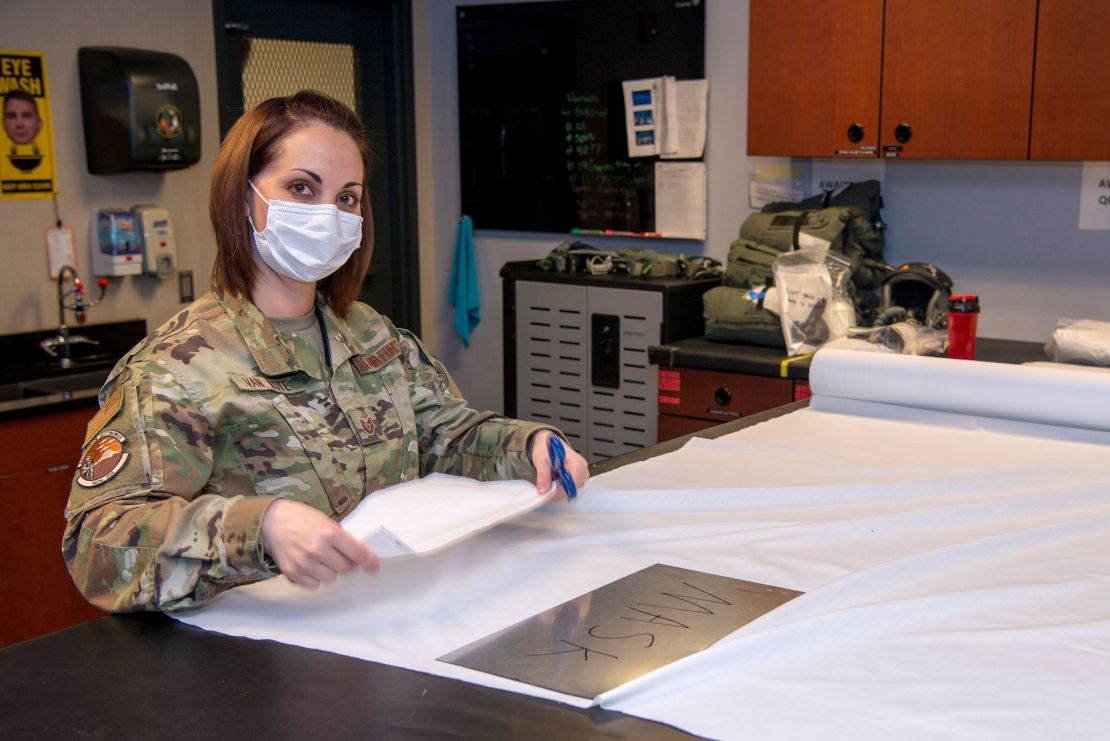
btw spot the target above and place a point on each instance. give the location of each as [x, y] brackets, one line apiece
[423, 516]
[1084, 341]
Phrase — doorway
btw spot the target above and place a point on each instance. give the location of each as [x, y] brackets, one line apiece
[360, 52]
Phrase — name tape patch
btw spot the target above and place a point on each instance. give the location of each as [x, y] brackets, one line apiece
[261, 383]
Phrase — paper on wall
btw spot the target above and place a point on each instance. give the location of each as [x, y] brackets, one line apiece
[680, 199]
[1094, 196]
[685, 104]
[643, 116]
[761, 192]
[666, 117]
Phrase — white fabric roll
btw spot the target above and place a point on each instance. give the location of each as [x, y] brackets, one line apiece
[1012, 392]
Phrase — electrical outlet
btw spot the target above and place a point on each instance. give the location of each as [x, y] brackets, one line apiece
[185, 285]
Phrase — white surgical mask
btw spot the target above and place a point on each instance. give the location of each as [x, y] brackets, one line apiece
[306, 242]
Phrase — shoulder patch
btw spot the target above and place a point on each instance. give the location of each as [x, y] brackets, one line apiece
[102, 459]
[378, 359]
[106, 414]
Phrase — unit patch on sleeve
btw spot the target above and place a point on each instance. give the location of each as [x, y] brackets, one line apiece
[103, 458]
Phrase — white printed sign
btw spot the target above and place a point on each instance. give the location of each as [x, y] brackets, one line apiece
[1094, 197]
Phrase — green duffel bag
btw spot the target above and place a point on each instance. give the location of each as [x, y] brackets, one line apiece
[845, 230]
[644, 263]
[750, 264]
[839, 227]
[737, 315]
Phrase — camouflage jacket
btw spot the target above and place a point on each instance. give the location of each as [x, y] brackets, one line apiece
[214, 416]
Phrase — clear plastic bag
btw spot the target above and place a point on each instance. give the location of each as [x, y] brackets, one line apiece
[1082, 341]
[905, 338]
[814, 303]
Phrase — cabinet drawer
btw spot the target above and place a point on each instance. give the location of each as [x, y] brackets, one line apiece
[671, 426]
[719, 396]
[42, 441]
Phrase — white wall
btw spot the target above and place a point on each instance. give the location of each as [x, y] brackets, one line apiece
[1007, 231]
[57, 28]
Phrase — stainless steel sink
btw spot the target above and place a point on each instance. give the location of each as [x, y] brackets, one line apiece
[68, 383]
[45, 391]
[16, 391]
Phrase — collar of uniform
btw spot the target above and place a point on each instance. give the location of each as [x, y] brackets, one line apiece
[345, 344]
[259, 334]
[364, 331]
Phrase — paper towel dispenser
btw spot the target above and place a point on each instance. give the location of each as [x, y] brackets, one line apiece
[141, 110]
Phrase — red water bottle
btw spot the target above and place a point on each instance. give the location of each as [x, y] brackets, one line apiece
[963, 322]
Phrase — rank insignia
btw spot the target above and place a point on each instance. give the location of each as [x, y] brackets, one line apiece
[103, 459]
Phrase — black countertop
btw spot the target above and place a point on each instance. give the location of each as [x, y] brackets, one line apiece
[699, 352]
[147, 676]
[32, 382]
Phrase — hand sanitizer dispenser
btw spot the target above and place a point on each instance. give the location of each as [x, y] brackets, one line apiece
[116, 245]
[159, 250]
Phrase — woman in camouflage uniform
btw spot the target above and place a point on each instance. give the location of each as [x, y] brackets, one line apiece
[232, 440]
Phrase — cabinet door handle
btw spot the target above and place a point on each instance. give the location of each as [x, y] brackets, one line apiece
[58, 468]
[855, 133]
[903, 132]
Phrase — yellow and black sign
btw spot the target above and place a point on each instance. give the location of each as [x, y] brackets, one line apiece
[27, 141]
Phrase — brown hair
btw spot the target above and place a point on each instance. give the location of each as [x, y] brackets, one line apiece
[250, 145]
[17, 94]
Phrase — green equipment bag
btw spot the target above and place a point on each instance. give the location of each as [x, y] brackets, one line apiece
[738, 315]
[638, 262]
[750, 264]
[736, 312]
[843, 230]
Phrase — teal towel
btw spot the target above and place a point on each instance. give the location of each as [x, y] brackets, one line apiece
[463, 291]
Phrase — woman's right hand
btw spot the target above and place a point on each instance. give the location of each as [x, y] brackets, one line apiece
[310, 547]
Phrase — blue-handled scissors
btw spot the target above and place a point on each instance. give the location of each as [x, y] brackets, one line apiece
[558, 455]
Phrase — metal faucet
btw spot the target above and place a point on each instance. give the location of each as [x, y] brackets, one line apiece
[63, 340]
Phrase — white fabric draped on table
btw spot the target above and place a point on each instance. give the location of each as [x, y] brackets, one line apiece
[948, 521]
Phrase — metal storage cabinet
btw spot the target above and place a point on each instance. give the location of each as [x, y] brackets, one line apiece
[576, 351]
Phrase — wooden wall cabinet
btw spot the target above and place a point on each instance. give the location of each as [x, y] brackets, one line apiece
[958, 75]
[925, 79]
[1071, 89]
[814, 72]
[37, 459]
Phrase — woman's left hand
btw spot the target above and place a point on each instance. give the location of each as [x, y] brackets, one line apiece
[576, 465]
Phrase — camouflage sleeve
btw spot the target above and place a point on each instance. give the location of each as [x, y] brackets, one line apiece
[457, 439]
[141, 533]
